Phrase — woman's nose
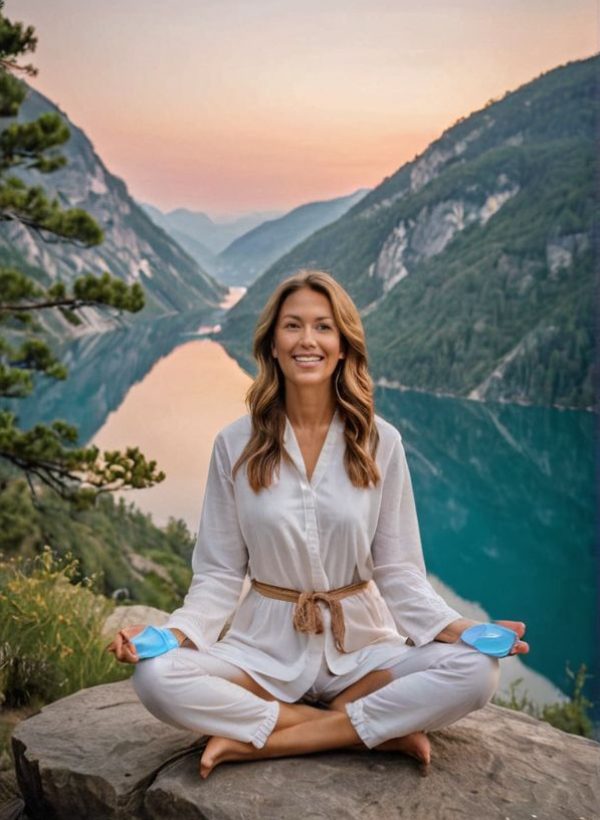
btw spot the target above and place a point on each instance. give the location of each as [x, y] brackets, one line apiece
[307, 336]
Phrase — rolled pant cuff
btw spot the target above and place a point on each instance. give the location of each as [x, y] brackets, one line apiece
[261, 735]
[356, 714]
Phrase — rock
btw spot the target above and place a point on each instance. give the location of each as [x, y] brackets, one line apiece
[12, 809]
[100, 754]
[93, 754]
[123, 616]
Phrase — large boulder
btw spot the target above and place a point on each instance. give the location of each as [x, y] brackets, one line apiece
[93, 754]
[123, 616]
[100, 754]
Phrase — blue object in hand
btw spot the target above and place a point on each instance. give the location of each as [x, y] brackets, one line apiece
[153, 641]
[491, 639]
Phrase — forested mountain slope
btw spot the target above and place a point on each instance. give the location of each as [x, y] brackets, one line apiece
[473, 264]
[251, 254]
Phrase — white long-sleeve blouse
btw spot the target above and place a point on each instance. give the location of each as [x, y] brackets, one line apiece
[309, 535]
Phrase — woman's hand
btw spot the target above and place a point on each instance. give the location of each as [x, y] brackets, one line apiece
[125, 650]
[452, 632]
[121, 645]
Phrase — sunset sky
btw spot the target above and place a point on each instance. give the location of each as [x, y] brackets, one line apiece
[229, 106]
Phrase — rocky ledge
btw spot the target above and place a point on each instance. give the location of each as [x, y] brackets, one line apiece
[100, 754]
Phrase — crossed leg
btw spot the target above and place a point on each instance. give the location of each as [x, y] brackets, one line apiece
[326, 730]
[389, 709]
[415, 744]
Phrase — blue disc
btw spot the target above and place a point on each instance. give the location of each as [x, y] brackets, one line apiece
[153, 641]
[491, 639]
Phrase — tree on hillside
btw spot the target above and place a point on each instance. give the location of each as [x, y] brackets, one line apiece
[46, 454]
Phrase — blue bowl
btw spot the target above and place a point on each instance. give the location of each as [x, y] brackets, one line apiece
[491, 639]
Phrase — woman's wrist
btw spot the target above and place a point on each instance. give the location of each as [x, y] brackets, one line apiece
[181, 636]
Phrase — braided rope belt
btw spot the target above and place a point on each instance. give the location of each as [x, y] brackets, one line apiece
[307, 613]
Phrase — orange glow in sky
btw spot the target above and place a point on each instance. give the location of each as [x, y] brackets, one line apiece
[266, 104]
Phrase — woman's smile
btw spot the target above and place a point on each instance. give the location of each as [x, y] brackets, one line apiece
[307, 361]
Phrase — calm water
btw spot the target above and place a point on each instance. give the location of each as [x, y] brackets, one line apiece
[505, 494]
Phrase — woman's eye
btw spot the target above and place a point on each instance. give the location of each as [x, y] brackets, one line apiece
[325, 326]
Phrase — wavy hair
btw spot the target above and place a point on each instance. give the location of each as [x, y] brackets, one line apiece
[353, 386]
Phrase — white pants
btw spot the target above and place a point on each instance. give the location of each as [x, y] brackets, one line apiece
[432, 686]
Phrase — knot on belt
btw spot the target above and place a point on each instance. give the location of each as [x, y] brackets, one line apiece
[307, 613]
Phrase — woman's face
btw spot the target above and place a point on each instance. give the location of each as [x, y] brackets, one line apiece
[307, 341]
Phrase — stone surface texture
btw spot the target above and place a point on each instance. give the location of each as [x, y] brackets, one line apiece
[100, 754]
[123, 616]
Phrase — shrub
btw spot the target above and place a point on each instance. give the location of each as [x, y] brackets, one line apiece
[50, 630]
[570, 716]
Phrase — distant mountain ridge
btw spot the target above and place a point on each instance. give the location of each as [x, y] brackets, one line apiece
[472, 265]
[251, 254]
[133, 248]
[196, 249]
[213, 235]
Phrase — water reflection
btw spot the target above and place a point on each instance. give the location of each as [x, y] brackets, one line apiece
[174, 416]
[103, 367]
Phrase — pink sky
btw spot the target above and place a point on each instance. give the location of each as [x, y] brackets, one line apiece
[237, 105]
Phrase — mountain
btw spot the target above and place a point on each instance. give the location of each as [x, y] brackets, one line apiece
[211, 234]
[134, 248]
[196, 249]
[473, 264]
[251, 254]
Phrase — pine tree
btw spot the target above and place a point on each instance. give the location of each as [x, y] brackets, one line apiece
[47, 454]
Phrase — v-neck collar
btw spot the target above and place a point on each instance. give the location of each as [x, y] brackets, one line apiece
[290, 443]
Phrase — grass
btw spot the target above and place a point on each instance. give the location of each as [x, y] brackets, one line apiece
[570, 716]
[50, 631]
[51, 641]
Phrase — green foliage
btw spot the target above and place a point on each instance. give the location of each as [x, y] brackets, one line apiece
[20, 143]
[30, 206]
[15, 41]
[50, 631]
[106, 290]
[105, 539]
[46, 454]
[571, 716]
[79, 475]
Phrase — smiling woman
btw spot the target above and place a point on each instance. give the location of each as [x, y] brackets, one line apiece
[306, 334]
[307, 346]
[340, 612]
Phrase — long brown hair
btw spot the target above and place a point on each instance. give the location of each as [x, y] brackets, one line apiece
[353, 386]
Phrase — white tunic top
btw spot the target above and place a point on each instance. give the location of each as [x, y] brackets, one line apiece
[309, 535]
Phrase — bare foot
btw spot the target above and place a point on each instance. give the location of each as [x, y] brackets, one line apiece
[222, 749]
[416, 744]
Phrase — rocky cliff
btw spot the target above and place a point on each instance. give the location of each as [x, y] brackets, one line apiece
[134, 248]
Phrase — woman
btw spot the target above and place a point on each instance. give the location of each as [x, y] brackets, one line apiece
[310, 494]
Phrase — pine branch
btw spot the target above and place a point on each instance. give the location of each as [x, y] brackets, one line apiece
[12, 65]
[71, 303]
[47, 235]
